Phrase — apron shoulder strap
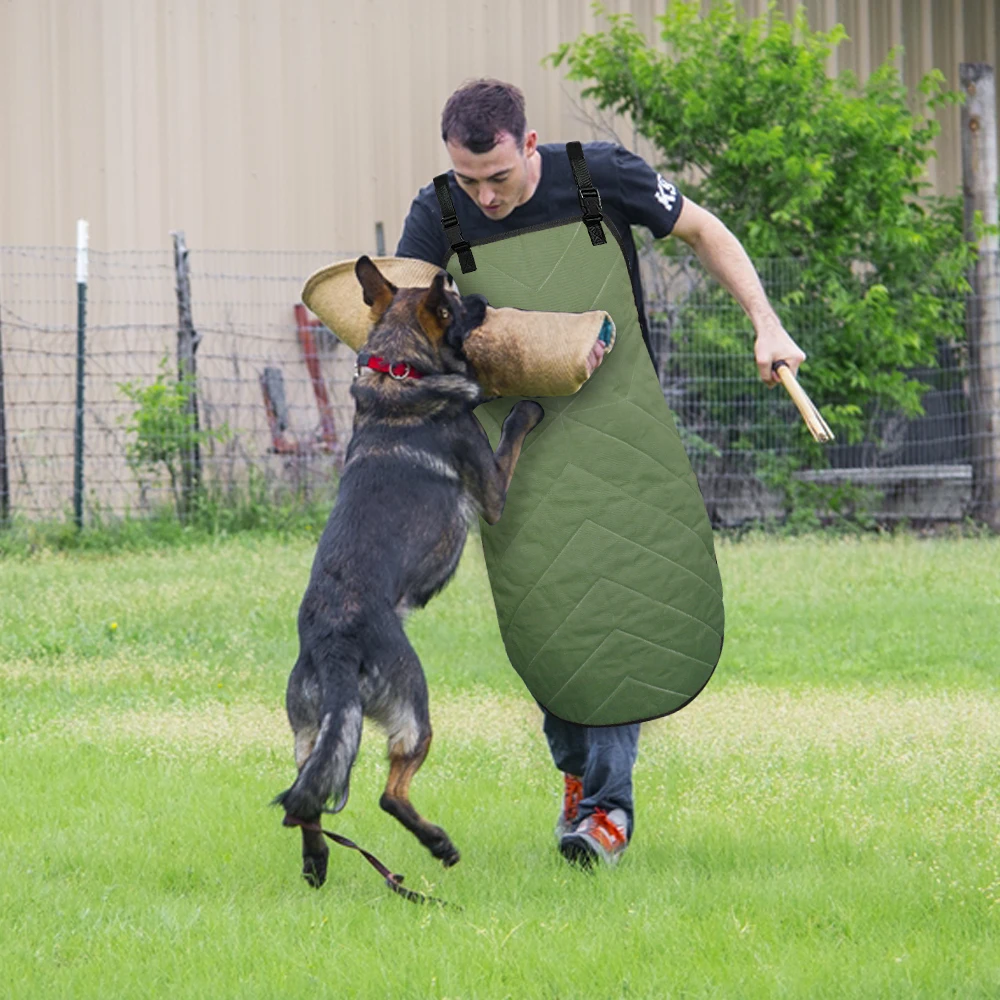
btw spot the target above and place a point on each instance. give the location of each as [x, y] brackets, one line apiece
[590, 197]
[590, 204]
[452, 230]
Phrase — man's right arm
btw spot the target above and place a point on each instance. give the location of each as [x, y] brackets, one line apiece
[422, 236]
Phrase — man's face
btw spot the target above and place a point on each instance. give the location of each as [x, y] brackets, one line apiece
[497, 181]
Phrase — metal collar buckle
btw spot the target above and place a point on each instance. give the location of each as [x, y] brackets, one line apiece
[385, 366]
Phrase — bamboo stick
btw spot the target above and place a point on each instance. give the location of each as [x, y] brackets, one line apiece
[818, 427]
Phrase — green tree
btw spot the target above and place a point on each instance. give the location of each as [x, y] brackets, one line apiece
[817, 176]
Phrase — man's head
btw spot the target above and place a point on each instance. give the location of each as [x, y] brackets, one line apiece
[485, 131]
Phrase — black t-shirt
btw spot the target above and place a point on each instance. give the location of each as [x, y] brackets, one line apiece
[632, 194]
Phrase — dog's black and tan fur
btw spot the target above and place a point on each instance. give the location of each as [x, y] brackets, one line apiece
[419, 467]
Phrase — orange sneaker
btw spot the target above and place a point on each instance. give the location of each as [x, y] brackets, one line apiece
[572, 793]
[602, 835]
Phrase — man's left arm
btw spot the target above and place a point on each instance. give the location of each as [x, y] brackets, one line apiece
[726, 260]
[650, 200]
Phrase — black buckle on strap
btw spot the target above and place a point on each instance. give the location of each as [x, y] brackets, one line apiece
[590, 202]
[452, 230]
[460, 245]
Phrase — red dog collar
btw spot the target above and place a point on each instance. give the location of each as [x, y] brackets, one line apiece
[395, 369]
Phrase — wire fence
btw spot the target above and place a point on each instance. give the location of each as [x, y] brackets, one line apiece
[274, 405]
[748, 445]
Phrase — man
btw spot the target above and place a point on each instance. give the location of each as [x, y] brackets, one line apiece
[504, 180]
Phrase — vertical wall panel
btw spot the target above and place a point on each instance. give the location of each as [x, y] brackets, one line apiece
[219, 73]
[28, 100]
[299, 124]
[148, 179]
[943, 30]
[846, 51]
[926, 62]
[829, 19]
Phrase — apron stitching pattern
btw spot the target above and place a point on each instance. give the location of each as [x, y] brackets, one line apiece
[628, 496]
[635, 680]
[622, 631]
[596, 651]
[679, 478]
[638, 545]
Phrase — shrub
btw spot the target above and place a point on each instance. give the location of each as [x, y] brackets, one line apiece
[819, 173]
[163, 430]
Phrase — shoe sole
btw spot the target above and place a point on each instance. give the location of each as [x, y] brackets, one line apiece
[578, 851]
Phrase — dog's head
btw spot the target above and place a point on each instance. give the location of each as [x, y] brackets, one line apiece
[426, 327]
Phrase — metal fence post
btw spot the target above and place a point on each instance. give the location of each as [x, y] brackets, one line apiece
[187, 345]
[979, 183]
[82, 237]
[4, 471]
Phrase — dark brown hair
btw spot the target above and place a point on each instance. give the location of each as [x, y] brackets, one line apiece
[478, 111]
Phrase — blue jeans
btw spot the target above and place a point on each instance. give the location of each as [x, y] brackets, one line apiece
[603, 756]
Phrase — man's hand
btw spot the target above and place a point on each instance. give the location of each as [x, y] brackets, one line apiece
[774, 344]
[595, 357]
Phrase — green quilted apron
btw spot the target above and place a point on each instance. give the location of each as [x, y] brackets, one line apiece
[603, 566]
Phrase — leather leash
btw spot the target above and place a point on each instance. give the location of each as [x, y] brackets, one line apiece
[393, 881]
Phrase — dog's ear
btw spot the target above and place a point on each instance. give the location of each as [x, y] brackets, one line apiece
[378, 290]
[435, 311]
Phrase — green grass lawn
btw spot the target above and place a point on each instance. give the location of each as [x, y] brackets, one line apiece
[823, 821]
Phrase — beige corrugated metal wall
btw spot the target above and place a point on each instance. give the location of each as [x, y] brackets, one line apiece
[300, 123]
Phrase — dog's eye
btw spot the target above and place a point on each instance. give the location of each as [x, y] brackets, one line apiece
[444, 312]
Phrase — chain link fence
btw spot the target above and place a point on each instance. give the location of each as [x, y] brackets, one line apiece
[274, 405]
[743, 440]
[243, 309]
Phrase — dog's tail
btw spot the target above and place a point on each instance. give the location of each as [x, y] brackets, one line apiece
[327, 770]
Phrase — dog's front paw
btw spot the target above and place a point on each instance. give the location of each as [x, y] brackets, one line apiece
[530, 412]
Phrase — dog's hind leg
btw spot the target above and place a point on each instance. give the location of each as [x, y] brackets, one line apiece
[403, 710]
[395, 800]
[327, 736]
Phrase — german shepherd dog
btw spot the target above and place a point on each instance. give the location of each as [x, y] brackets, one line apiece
[418, 469]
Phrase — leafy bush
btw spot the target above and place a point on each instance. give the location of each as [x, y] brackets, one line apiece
[820, 173]
[162, 429]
